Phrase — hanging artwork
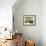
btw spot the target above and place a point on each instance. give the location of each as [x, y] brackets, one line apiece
[29, 20]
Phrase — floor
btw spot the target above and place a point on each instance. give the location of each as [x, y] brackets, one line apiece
[9, 43]
[12, 42]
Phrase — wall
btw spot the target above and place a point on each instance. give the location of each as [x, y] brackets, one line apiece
[43, 22]
[6, 13]
[28, 7]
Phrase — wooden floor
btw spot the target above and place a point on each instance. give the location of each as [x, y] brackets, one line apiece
[9, 43]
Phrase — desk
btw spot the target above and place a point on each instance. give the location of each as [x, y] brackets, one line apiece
[18, 39]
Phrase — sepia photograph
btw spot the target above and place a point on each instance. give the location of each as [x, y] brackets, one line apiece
[29, 20]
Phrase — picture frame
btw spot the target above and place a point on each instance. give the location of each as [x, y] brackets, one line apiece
[29, 20]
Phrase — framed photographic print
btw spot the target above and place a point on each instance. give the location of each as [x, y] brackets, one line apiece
[29, 20]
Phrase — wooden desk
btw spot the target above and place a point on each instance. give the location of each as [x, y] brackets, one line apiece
[16, 34]
[18, 39]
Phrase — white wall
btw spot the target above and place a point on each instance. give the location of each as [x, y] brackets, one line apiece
[43, 22]
[29, 7]
[6, 13]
